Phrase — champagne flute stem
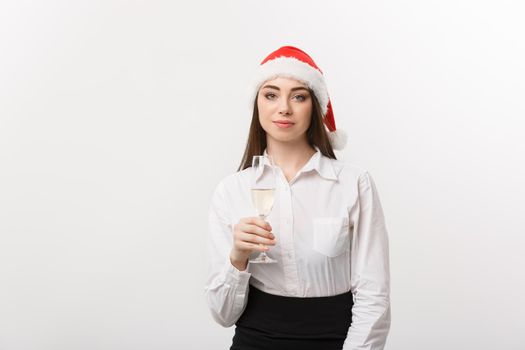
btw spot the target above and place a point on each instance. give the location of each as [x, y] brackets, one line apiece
[263, 253]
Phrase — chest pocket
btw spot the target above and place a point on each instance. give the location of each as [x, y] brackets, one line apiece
[331, 235]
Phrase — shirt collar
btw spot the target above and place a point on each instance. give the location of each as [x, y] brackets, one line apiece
[319, 162]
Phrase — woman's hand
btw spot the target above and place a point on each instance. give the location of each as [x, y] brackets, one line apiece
[250, 234]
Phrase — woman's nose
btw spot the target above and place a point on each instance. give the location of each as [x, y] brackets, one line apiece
[284, 108]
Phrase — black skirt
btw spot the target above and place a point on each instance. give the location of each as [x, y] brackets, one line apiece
[276, 322]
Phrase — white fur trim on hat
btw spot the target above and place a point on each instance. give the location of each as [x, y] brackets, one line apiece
[293, 68]
[338, 139]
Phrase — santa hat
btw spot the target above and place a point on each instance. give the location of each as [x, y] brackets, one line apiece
[291, 62]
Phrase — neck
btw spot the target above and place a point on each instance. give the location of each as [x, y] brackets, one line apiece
[290, 156]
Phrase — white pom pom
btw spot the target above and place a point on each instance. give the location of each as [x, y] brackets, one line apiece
[338, 139]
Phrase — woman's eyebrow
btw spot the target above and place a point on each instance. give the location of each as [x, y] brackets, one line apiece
[277, 88]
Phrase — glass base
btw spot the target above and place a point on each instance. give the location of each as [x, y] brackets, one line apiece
[262, 259]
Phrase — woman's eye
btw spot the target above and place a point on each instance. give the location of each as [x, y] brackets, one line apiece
[272, 96]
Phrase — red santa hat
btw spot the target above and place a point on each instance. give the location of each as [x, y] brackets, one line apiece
[291, 62]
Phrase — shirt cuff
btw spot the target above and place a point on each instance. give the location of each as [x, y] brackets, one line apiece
[236, 277]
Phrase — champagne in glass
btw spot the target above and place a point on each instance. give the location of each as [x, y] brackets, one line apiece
[263, 191]
[263, 200]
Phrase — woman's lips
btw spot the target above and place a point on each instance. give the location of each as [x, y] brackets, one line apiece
[283, 125]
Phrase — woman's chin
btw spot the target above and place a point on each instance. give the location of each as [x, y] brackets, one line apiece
[289, 139]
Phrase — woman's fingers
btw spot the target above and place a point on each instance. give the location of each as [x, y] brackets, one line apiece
[254, 220]
[251, 246]
[247, 237]
[257, 230]
[253, 233]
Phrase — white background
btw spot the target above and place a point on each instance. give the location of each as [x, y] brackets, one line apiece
[118, 119]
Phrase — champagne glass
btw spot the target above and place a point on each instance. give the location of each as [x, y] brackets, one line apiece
[263, 192]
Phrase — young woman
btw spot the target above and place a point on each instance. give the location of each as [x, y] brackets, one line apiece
[330, 287]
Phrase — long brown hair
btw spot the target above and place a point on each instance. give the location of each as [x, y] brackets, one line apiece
[316, 135]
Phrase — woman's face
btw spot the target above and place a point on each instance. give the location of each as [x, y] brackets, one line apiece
[285, 109]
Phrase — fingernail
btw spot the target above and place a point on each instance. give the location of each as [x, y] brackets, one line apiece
[272, 236]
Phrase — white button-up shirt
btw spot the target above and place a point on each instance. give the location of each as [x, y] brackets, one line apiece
[331, 238]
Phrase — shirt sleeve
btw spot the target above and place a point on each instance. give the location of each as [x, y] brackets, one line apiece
[226, 289]
[370, 275]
